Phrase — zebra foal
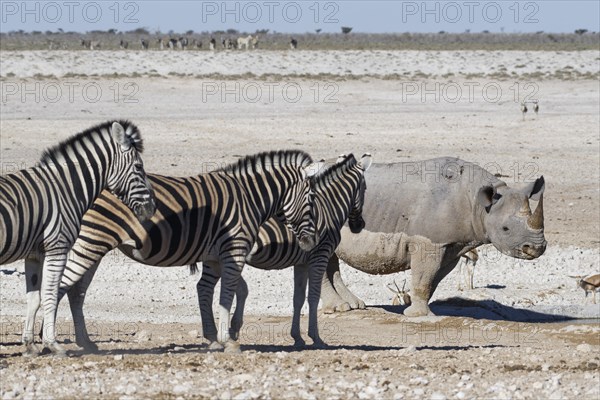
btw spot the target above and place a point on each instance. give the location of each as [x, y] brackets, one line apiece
[339, 196]
[212, 217]
[41, 209]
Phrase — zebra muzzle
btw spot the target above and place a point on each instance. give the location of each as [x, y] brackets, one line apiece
[356, 225]
[308, 242]
[144, 211]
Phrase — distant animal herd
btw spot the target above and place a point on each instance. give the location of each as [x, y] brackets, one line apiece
[249, 42]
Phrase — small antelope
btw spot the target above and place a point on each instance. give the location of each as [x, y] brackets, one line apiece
[401, 296]
[523, 109]
[590, 283]
[467, 269]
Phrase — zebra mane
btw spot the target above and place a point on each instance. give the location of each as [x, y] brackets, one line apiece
[132, 133]
[269, 158]
[325, 175]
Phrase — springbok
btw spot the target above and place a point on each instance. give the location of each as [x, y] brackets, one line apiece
[401, 296]
[590, 283]
[467, 269]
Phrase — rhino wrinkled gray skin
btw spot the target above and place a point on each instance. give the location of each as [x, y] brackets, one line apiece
[424, 216]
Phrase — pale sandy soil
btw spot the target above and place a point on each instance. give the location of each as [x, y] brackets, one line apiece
[147, 314]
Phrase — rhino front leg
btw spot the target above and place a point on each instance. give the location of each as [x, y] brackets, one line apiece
[429, 267]
[332, 301]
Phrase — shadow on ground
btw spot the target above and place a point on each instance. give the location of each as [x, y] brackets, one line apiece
[486, 309]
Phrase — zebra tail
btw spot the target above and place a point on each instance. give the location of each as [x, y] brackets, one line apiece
[193, 269]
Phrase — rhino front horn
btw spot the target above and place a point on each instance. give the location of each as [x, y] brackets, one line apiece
[536, 220]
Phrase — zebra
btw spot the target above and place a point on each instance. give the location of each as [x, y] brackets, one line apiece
[212, 44]
[293, 44]
[124, 44]
[170, 43]
[182, 43]
[144, 44]
[197, 43]
[210, 217]
[90, 44]
[245, 41]
[41, 209]
[339, 196]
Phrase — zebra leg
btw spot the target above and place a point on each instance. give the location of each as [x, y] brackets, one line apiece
[205, 288]
[241, 294]
[315, 278]
[54, 265]
[300, 279]
[76, 299]
[230, 277]
[33, 279]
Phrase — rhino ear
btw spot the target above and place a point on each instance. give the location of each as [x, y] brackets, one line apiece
[536, 189]
[487, 197]
[365, 161]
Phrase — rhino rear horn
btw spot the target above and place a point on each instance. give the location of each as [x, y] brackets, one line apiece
[536, 220]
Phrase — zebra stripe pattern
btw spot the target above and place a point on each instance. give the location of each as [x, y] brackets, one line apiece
[339, 196]
[41, 208]
[213, 217]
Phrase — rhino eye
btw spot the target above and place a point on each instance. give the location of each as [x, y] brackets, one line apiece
[505, 229]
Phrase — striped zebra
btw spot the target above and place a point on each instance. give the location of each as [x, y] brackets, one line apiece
[211, 217]
[41, 209]
[339, 196]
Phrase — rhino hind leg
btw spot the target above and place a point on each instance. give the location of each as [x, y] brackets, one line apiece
[330, 296]
[345, 293]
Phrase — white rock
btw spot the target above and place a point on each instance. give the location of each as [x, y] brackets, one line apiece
[438, 396]
[118, 357]
[584, 348]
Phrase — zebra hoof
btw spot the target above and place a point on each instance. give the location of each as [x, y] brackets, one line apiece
[31, 350]
[88, 347]
[319, 344]
[299, 343]
[56, 349]
[215, 346]
[232, 347]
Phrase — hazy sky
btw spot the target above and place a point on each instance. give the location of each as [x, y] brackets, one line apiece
[302, 16]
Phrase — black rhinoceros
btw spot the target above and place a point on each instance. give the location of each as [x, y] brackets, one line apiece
[424, 216]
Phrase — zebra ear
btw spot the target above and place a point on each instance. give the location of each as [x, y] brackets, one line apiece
[365, 161]
[118, 133]
[313, 169]
[341, 158]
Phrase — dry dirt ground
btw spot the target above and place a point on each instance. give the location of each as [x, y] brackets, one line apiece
[375, 353]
